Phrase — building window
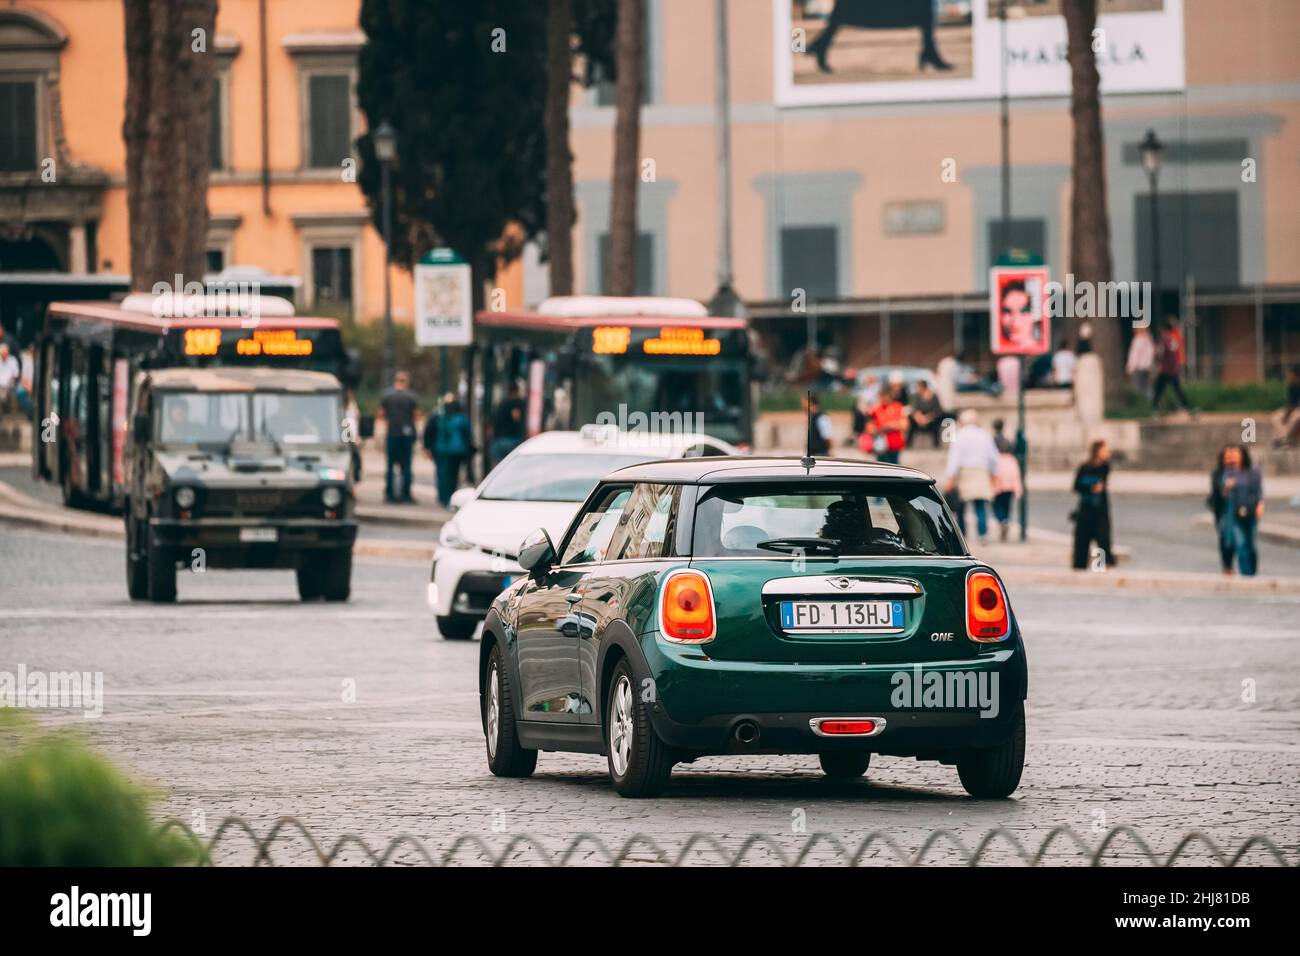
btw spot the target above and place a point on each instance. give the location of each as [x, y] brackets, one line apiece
[220, 121]
[1025, 235]
[810, 260]
[645, 264]
[329, 119]
[1212, 252]
[216, 259]
[331, 278]
[18, 126]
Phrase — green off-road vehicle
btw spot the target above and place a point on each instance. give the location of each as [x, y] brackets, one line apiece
[238, 468]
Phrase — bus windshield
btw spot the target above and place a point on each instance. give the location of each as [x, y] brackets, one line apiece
[207, 418]
[713, 391]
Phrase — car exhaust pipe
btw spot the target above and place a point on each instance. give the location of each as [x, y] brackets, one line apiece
[746, 732]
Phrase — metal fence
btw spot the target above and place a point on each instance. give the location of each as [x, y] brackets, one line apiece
[586, 848]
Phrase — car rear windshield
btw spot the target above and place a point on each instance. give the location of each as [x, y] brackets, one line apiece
[860, 518]
[552, 477]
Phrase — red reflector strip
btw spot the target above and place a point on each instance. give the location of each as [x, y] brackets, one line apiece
[847, 726]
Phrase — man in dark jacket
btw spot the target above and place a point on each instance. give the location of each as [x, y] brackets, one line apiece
[399, 407]
[449, 442]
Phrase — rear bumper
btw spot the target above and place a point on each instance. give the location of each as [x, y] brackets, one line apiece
[930, 710]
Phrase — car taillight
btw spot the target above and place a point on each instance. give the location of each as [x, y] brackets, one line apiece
[987, 618]
[686, 609]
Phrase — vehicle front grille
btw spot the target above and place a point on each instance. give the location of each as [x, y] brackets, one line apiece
[262, 502]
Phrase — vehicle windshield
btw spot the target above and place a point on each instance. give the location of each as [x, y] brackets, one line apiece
[296, 419]
[219, 418]
[713, 392]
[856, 519]
[549, 477]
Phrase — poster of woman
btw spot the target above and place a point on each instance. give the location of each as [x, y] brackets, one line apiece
[863, 41]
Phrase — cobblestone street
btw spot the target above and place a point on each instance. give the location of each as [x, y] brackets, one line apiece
[360, 719]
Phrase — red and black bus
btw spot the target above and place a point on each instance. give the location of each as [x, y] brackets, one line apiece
[89, 353]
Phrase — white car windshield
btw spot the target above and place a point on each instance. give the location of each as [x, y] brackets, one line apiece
[553, 477]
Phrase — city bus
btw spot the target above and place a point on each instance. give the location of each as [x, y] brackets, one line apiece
[629, 362]
[89, 353]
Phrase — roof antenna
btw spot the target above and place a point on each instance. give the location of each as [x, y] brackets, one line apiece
[807, 461]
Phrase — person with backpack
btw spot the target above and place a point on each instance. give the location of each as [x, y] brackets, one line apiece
[449, 442]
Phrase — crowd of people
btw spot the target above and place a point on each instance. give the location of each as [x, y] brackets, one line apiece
[16, 374]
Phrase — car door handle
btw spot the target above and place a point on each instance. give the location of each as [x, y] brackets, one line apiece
[573, 597]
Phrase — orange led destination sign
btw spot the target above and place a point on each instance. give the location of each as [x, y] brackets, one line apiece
[682, 342]
[615, 339]
[272, 342]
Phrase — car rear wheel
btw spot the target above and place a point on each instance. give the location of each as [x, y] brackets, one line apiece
[845, 765]
[137, 570]
[639, 762]
[456, 628]
[994, 772]
[505, 757]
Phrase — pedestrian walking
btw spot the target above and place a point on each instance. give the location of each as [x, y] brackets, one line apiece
[1238, 492]
[1287, 419]
[507, 425]
[885, 433]
[1141, 357]
[1092, 516]
[1007, 485]
[972, 467]
[400, 408]
[926, 415]
[448, 441]
[1171, 358]
[1217, 503]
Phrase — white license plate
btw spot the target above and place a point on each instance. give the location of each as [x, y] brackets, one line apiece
[841, 617]
[258, 535]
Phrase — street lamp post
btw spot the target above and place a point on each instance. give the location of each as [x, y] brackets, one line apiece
[1152, 151]
[385, 142]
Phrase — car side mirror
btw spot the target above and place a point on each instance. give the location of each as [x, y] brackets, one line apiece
[461, 497]
[141, 429]
[537, 554]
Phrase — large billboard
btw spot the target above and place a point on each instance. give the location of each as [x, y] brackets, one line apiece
[891, 51]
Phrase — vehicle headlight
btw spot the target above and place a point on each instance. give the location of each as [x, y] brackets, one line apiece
[331, 497]
[185, 497]
[450, 537]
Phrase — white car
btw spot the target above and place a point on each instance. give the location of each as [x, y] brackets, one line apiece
[538, 485]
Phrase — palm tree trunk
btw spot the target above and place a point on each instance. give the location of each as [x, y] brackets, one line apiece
[621, 278]
[1090, 258]
[559, 158]
[167, 131]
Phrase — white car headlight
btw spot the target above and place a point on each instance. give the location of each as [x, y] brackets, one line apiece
[185, 497]
[450, 537]
[331, 497]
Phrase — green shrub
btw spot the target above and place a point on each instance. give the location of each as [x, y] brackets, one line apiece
[423, 364]
[1257, 397]
[61, 804]
[791, 400]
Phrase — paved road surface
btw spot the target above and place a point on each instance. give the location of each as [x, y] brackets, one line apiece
[232, 701]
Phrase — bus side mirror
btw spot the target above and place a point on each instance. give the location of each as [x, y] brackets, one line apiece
[367, 426]
[141, 429]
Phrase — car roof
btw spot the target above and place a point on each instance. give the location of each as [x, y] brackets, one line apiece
[613, 441]
[747, 468]
[235, 379]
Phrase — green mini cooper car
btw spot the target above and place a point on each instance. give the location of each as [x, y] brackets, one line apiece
[756, 606]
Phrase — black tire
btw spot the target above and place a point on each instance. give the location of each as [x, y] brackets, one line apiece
[137, 569]
[647, 761]
[844, 764]
[336, 577]
[456, 627]
[992, 773]
[505, 757]
[162, 576]
[310, 586]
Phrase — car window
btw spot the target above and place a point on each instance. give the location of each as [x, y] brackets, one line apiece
[546, 476]
[595, 528]
[203, 417]
[863, 518]
[645, 524]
